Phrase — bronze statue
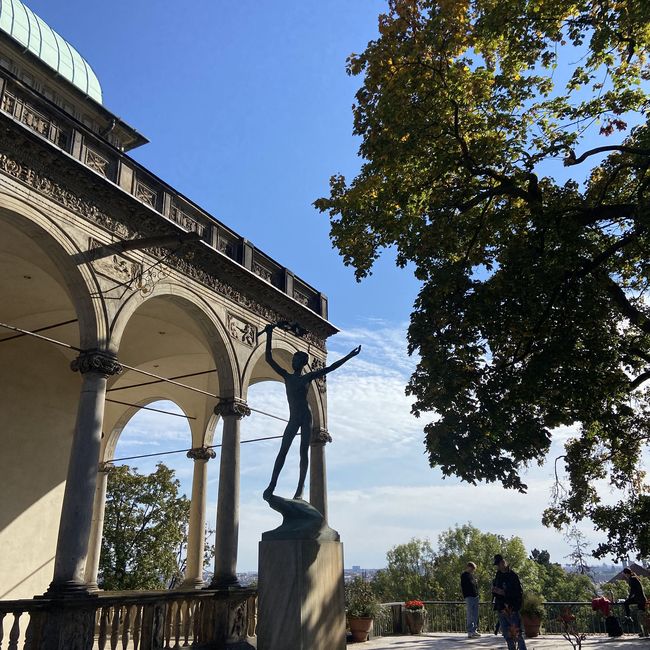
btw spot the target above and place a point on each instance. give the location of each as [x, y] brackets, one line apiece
[300, 415]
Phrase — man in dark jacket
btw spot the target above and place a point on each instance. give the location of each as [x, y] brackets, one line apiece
[469, 587]
[508, 596]
[636, 597]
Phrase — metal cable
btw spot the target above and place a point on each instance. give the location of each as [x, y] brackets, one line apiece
[137, 370]
[180, 451]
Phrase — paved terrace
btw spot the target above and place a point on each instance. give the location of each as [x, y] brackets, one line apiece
[441, 641]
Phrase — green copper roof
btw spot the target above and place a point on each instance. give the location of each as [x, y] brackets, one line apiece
[24, 26]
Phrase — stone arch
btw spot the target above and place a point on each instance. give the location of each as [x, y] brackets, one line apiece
[113, 429]
[215, 333]
[59, 246]
[41, 285]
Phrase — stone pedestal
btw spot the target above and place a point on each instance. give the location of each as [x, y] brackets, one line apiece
[301, 601]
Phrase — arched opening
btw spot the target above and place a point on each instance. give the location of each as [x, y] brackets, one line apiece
[40, 290]
[173, 349]
[157, 432]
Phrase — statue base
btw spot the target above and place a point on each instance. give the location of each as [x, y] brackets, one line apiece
[301, 601]
[300, 521]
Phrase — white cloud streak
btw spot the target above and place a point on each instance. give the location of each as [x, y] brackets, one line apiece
[382, 491]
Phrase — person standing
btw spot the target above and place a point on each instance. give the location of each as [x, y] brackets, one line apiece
[636, 597]
[469, 587]
[508, 596]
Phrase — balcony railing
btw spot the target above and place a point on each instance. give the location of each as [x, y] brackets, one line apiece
[38, 114]
[158, 620]
[449, 616]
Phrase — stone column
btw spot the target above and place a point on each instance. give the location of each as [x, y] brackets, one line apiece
[77, 509]
[317, 474]
[226, 538]
[97, 528]
[196, 533]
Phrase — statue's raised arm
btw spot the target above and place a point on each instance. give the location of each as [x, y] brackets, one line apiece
[269, 353]
[315, 374]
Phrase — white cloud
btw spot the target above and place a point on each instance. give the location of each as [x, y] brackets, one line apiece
[382, 491]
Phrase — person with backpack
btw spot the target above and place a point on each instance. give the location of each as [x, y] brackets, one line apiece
[508, 597]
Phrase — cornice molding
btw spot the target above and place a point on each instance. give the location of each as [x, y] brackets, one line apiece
[63, 180]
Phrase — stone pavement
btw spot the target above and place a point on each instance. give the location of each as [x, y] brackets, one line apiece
[461, 642]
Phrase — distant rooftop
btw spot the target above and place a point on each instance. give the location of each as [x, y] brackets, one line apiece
[25, 27]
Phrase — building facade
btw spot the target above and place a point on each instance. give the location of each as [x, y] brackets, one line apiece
[117, 291]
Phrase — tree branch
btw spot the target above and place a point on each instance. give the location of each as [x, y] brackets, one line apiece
[572, 160]
[634, 315]
[641, 379]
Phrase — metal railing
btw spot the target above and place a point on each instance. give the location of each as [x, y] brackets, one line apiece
[449, 616]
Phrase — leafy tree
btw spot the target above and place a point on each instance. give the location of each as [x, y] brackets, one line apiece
[409, 573]
[541, 557]
[506, 153]
[559, 585]
[145, 523]
[462, 544]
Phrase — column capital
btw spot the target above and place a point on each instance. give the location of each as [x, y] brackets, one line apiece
[232, 407]
[201, 453]
[105, 466]
[320, 437]
[102, 363]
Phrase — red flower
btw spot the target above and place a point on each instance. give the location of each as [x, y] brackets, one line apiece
[414, 604]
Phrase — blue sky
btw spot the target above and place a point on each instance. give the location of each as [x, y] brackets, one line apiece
[248, 109]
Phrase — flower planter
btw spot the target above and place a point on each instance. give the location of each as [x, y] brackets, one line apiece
[531, 625]
[415, 621]
[360, 628]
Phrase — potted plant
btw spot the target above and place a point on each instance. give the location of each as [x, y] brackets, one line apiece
[415, 613]
[532, 612]
[361, 607]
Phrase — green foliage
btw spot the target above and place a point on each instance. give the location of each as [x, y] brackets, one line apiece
[541, 557]
[462, 544]
[416, 570]
[531, 312]
[559, 585]
[532, 606]
[145, 524]
[409, 574]
[360, 599]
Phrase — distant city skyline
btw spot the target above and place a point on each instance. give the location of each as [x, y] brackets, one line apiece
[247, 106]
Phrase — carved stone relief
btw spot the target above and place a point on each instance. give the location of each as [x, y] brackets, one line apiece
[321, 382]
[241, 330]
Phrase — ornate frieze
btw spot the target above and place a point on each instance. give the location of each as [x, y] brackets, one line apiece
[34, 119]
[145, 194]
[241, 330]
[44, 185]
[97, 162]
[201, 453]
[321, 382]
[146, 225]
[232, 407]
[301, 298]
[262, 272]
[186, 221]
[96, 361]
[320, 437]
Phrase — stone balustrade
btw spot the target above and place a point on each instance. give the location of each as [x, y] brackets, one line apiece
[131, 621]
[80, 143]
